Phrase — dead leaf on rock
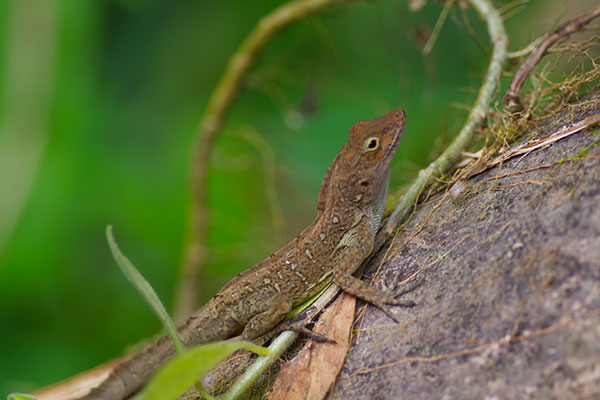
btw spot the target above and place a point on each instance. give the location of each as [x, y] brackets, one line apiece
[310, 374]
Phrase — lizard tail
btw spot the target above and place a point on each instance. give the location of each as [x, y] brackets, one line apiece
[133, 372]
[206, 325]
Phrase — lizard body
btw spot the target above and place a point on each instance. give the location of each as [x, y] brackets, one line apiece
[350, 208]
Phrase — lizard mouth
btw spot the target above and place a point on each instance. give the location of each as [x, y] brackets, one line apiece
[399, 118]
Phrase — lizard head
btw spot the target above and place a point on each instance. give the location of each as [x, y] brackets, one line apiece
[360, 172]
[368, 154]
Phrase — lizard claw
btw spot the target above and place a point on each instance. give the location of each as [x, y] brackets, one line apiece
[387, 311]
[409, 286]
[394, 300]
[403, 303]
[317, 337]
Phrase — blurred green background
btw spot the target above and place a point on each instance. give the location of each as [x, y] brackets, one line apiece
[100, 102]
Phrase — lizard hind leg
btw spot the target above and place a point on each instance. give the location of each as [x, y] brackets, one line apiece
[276, 310]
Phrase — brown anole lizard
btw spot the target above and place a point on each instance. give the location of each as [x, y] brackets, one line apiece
[350, 208]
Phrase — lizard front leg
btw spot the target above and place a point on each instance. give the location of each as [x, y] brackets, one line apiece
[264, 316]
[370, 294]
[348, 263]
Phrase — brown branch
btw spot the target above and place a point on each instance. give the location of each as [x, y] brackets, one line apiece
[511, 99]
[215, 115]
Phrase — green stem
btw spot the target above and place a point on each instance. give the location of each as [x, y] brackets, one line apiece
[277, 347]
[486, 94]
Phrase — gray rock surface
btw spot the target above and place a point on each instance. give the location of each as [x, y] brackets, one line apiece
[509, 304]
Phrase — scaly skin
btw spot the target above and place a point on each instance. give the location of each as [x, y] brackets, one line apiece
[350, 207]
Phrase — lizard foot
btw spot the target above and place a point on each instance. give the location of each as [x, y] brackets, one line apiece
[382, 299]
[406, 287]
[317, 337]
[395, 300]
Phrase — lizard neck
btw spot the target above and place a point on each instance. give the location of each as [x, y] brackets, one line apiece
[346, 208]
[376, 209]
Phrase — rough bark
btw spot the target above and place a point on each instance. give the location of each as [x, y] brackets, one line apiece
[509, 306]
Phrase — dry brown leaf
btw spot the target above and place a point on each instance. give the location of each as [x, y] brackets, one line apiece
[78, 385]
[310, 374]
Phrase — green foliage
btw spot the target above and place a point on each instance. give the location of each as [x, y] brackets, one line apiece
[182, 371]
[20, 396]
[144, 288]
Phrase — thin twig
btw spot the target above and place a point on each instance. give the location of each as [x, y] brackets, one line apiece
[213, 119]
[525, 50]
[438, 26]
[253, 137]
[511, 99]
[475, 119]
[528, 147]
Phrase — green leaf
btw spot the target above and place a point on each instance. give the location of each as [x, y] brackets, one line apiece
[144, 288]
[307, 303]
[20, 396]
[183, 370]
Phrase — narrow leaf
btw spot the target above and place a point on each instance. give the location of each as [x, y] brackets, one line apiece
[144, 288]
[183, 370]
[307, 303]
[20, 396]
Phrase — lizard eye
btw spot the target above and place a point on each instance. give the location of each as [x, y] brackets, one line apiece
[371, 144]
